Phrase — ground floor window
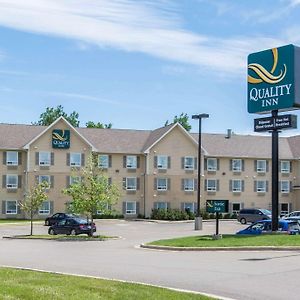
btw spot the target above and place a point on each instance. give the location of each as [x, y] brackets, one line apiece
[284, 208]
[161, 205]
[11, 207]
[45, 208]
[189, 207]
[236, 207]
[130, 207]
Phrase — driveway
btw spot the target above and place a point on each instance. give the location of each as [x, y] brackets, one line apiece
[237, 275]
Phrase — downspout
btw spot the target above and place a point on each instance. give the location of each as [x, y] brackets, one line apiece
[145, 173]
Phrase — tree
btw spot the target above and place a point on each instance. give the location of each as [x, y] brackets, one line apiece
[183, 119]
[33, 200]
[51, 114]
[92, 193]
[91, 124]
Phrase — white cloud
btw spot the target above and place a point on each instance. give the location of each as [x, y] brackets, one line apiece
[143, 26]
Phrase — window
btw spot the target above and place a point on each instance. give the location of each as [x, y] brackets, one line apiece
[11, 181]
[212, 164]
[284, 209]
[75, 159]
[211, 185]
[236, 207]
[162, 162]
[189, 207]
[75, 179]
[261, 166]
[189, 184]
[285, 186]
[12, 158]
[131, 208]
[162, 184]
[260, 186]
[103, 161]
[189, 163]
[131, 183]
[236, 165]
[46, 178]
[161, 205]
[236, 185]
[45, 208]
[11, 207]
[285, 166]
[44, 158]
[131, 162]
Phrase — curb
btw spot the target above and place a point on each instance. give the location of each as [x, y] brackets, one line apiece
[248, 248]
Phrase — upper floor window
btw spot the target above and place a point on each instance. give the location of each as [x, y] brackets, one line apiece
[131, 162]
[261, 166]
[211, 185]
[261, 186]
[236, 185]
[285, 186]
[162, 184]
[131, 183]
[285, 166]
[103, 161]
[189, 163]
[236, 165]
[75, 159]
[212, 164]
[188, 184]
[45, 178]
[12, 158]
[11, 181]
[44, 158]
[162, 161]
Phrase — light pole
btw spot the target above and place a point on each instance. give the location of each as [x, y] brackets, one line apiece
[198, 219]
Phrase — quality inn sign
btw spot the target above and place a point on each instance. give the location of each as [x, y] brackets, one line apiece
[274, 80]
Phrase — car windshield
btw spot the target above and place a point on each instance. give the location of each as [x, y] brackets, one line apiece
[265, 211]
[257, 226]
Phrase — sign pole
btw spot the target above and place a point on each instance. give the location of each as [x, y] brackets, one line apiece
[217, 223]
[275, 161]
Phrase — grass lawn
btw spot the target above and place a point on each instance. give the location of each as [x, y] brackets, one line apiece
[28, 285]
[232, 241]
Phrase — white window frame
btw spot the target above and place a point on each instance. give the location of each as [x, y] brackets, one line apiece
[12, 162]
[186, 205]
[48, 180]
[161, 205]
[261, 189]
[284, 212]
[211, 164]
[45, 161]
[104, 164]
[73, 162]
[11, 212]
[162, 162]
[164, 186]
[132, 187]
[234, 211]
[43, 210]
[74, 179]
[211, 187]
[187, 186]
[287, 189]
[187, 165]
[130, 211]
[236, 165]
[10, 185]
[261, 169]
[237, 189]
[285, 170]
[131, 161]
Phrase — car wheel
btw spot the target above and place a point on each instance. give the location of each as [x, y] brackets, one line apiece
[73, 232]
[51, 231]
[243, 221]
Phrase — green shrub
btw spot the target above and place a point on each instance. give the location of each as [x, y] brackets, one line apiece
[171, 214]
[108, 216]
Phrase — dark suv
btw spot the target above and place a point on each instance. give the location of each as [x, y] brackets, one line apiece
[253, 215]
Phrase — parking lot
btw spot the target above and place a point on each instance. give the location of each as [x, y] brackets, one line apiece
[236, 275]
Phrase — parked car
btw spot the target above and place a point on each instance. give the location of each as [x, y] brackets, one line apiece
[57, 217]
[72, 226]
[265, 226]
[253, 215]
[295, 213]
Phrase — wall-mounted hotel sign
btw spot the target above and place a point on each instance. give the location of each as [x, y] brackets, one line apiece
[61, 139]
[279, 122]
[274, 80]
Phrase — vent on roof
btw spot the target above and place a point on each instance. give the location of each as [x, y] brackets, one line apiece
[229, 134]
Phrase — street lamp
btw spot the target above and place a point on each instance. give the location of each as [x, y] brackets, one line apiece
[198, 219]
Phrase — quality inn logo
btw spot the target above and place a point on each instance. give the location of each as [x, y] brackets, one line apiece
[271, 80]
[61, 138]
[264, 75]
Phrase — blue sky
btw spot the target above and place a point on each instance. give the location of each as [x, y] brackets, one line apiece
[137, 63]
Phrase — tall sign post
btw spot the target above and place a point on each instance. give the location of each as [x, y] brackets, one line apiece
[274, 86]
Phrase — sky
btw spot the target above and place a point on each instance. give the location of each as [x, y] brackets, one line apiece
[137, 63]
